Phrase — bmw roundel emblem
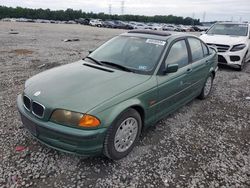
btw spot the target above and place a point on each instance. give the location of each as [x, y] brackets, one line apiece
[37, 93]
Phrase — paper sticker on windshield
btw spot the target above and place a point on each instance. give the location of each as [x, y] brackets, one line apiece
[157, 42]
[141, 67]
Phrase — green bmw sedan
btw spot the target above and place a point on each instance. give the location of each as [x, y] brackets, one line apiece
[99, 105]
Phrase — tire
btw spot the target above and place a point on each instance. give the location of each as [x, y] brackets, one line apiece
[206, 90]
[241, 67]
[116, 147]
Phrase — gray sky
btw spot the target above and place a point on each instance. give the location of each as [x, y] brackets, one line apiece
[213, 9]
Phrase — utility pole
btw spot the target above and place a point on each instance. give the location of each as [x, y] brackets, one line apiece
[122, 7]
[204, 16]
[110, 9]
[193, 18]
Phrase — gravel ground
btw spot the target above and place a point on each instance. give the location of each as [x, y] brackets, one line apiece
[204, 144]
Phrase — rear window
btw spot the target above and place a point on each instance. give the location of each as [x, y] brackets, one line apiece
[205, 49]
[196, 49]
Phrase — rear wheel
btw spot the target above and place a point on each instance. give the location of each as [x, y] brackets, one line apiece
[123, 134]
[206, 90]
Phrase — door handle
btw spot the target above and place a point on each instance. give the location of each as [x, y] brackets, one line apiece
[207, 61]
[189, 70]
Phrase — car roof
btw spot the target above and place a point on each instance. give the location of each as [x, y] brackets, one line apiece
[154, 34]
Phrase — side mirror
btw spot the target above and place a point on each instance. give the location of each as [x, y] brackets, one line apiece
[171, 68]
[90, 51]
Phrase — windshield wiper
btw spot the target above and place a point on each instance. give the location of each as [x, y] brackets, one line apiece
[92, 59]
[117, 66]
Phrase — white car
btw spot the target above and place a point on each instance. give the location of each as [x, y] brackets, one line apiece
[95, 22]
[232, 41]
[153, 26]
[137, 25]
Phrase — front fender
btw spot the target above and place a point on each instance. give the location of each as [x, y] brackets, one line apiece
[109, 115]
[139, 96]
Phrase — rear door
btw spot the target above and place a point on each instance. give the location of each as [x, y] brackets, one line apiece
[172, 86]
[200, 64]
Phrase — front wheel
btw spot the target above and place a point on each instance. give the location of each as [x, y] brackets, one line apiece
[241, 67]
[206, 90]
[122, 135]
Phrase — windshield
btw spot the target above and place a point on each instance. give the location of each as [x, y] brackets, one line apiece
[229, 29]
[138, 54]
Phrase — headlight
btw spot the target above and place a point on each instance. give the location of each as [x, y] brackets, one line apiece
[238, 47]
[66, 117]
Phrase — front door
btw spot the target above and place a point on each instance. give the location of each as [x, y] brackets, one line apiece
[172, 86]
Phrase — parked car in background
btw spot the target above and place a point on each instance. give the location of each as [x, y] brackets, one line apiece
[42, 21]
[102, 103]
[232, 41]
[140, 26]
[70, 22]
[109, 24]
[181, 28]
[154, 26]
[167, 27]
[95, 22]
[23, 20]
[196, 28]
[8, 19]
[204, 28]
[122, 25]
[83, 21]
[189, 28]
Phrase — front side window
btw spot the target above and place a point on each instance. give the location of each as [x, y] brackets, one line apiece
[196, 49]
[178, 54]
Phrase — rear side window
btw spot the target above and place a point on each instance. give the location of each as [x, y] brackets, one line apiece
[196, 49]
[205, 49]
[178, 54]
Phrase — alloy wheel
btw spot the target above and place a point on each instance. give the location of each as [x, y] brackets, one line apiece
[126, 134]
[208, 86]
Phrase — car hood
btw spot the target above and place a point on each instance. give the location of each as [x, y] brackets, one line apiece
[223, 39]
[78, 87]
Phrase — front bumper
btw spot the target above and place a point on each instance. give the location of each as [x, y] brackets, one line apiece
[63, 138]
[231, 58]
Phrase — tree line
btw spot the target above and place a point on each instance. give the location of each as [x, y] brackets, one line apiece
[70, 14]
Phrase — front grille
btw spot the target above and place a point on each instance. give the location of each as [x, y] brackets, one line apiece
[27, 102]
[220, 47]
[37, 109]
[221, 59]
